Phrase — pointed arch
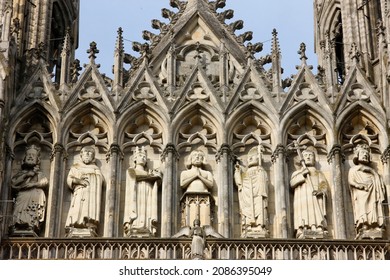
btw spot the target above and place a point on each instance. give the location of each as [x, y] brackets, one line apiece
[143, 120]
[31, 116]
[198, 108]
[89, 109]
[311, 110]
[364, 117]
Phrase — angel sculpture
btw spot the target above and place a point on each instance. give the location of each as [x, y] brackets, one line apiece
[198, 234]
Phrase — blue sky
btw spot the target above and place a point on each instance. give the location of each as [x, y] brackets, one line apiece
[293, 20]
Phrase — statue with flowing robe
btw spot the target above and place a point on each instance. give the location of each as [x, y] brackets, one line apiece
[252, 187]
[310, 188]
[140, 214]
[86, 182]
[30, 202]
[368, 195]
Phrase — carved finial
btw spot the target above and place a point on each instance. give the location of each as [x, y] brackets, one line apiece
[302, 52]
[119, 40]
[74, 71]
[92, 51]
[275, 42]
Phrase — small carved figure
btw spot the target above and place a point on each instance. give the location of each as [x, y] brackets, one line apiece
[310, 188]
[253, 195]
[196, 179]
[86, 181]
[30, 204]
[198, 234]
[368, 193]
[140, 215]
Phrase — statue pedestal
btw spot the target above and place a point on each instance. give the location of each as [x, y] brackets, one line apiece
[196, 206]
[27, 232]
[311, 234]
[370, 234]
[138, 233]
[255, 232]
[80, 232]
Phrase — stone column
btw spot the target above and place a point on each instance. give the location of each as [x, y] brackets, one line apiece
[335, 159]
[55, 192]
[6, 207]
[225, 191]
[111, 213]
[169, 200]
[281, 189]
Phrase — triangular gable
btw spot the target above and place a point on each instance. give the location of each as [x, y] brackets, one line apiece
[358, 89]
[305, 88]
[39, 88]
[143, 87]
[251, 89]
[198, 88]
[91, 86]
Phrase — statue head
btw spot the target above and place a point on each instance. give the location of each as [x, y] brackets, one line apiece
[139, 157]
[87, 154]
[255, 156]
[309, 156]
[32, 156]
[362, 154]
[196, 223]
[197, 158]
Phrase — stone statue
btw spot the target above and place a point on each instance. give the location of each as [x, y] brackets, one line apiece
[196, 179]
[30, 204]
[198, 241]
[140, 214]
[252, 187]
[310, 187]
[368, 194]
[198, 233]
[197, 202]
[86, 181]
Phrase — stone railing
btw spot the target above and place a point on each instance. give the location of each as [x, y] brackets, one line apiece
[234, 249]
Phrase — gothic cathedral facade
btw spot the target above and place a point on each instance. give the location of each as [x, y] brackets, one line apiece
[197, 148]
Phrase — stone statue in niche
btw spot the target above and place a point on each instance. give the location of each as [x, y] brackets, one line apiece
[140, 214]
[310, 188]
[30, 204]
[368, 194]
[86, 182]
[252, 187]
[197, 183]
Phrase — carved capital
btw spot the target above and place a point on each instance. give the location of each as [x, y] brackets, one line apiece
[114, 150]
[170, 148]
[335, 151]
[279, 152]
[224, 149]
[56, 150]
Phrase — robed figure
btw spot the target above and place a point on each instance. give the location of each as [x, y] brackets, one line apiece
[252, 187]
[86, 182]
[140, 214]
[310, 188]
[368, 195]
[30, 203]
